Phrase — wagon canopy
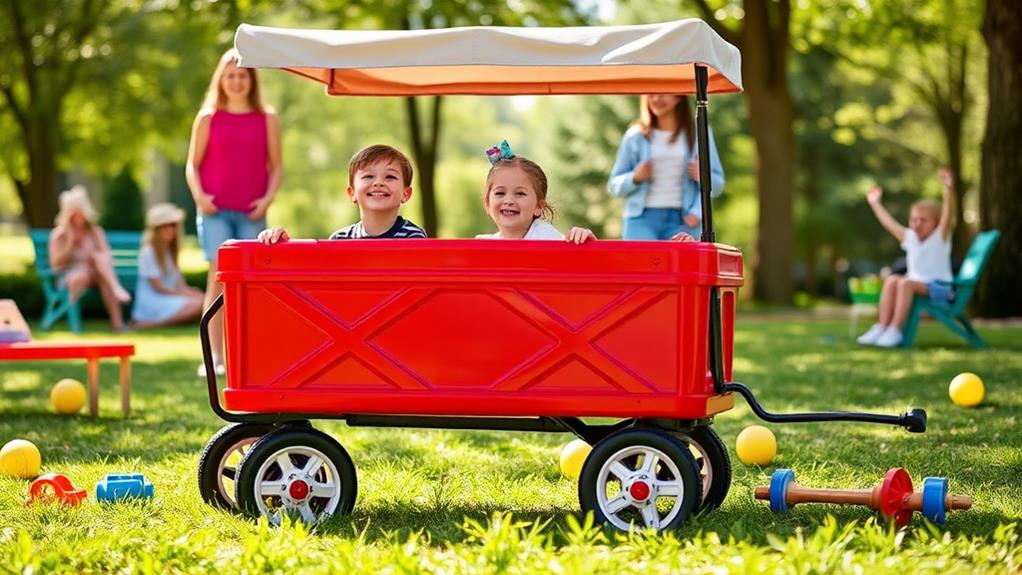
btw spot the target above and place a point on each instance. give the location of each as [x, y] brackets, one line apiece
[648, 58]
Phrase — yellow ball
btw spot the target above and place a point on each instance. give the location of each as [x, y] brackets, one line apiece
[67, 396]
[756, 445]
[20, 458]
[966, 390]
[573, 455]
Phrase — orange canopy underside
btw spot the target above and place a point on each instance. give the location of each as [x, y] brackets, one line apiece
[419, 80]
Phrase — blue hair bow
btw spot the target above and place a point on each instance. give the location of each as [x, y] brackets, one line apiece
[501, 151]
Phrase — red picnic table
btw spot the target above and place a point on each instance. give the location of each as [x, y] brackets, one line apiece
[91, 351]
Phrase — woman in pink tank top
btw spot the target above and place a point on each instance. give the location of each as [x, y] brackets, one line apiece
[233, 169]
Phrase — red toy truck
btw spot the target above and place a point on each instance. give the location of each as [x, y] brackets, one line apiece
[486, 334]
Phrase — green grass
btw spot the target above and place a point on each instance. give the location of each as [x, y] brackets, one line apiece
[495, 502]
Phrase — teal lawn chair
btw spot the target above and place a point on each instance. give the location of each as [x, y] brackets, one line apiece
[124, 246]
[965, 283]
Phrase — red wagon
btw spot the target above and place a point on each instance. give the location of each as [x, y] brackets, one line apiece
[483, 334]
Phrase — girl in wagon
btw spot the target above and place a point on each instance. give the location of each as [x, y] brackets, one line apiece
[515, 199]
[161, 296]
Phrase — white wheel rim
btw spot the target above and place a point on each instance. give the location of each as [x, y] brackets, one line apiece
[279, 491]
[702, 462]
[623, 505]
[238, 449]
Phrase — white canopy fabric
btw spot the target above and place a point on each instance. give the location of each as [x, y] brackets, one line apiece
[651, 58]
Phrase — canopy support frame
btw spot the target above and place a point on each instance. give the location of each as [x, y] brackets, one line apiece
[715, 348]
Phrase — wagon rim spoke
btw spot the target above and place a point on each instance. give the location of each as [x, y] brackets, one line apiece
[230, 472]
[312, 465]
[284, 462]
[667, 488]
[327, 489]
[620, 470]
[615, 505]
[651, 516]
[272, 488]
[308, 515]
[649, 461]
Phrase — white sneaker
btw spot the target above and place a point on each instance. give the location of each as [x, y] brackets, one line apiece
[890, 338]
[870, 337]
[219, 370]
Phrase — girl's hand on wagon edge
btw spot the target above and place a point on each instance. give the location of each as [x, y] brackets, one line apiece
[273, 235]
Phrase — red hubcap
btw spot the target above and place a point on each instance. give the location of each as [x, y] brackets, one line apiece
[639, 491]
[299, 490]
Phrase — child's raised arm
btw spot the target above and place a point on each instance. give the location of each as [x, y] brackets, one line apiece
[885, 218]
[947, 210]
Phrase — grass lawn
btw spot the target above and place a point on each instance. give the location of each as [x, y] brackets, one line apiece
[495, 502]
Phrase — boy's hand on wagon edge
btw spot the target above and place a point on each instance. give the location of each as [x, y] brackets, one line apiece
[273, 235]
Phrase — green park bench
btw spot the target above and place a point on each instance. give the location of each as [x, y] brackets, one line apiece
[965, 283]
[124, 245]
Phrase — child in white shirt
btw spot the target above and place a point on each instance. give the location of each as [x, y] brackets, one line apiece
[927, 245]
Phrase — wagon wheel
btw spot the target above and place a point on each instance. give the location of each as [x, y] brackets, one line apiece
[302, 473]
[713, 463]
[641, 477]
[219, 461]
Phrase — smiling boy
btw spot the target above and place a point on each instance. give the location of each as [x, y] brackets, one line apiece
[379, 181]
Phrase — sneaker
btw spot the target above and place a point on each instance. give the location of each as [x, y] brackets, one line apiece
[890, 338]
[870, 337]
[201, 372]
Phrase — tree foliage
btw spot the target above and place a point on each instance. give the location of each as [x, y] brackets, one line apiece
[122, 207]
[95, 83]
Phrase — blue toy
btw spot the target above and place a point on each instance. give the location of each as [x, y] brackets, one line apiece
[118, 487]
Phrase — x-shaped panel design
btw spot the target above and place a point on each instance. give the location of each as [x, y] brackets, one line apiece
[348, 340]
[578, 342]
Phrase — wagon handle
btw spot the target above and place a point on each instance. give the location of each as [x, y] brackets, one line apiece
[913, 420]
[207, 357]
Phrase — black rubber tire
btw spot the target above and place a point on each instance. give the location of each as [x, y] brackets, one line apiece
[671, 446]
[217, 449]
[718, 460]
[296, 437]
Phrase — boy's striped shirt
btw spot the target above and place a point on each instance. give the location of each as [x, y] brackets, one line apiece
[401, 229]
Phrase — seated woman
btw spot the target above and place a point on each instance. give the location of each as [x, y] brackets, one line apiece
[79, 249]
[162, 297]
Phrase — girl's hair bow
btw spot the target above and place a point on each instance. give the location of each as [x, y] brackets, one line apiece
[501, 151]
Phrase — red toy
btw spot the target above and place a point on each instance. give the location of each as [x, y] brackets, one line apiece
[54, 487]
[487, 334]
[894, 497]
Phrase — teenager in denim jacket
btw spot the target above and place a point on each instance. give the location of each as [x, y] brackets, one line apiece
[657, 171]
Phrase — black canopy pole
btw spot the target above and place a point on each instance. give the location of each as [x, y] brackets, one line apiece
[715, 349]
[703, 143]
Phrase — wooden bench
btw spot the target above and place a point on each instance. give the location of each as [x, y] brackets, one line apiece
[124, 246]
[91, 351]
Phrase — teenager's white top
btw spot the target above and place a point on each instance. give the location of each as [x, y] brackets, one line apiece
[668, 169]
[928, 260]
[539, 230]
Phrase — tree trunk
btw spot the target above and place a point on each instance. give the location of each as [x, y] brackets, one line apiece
[1001, 181]
[39, 194]
[424, 151]
[771, 117]
[811, 193]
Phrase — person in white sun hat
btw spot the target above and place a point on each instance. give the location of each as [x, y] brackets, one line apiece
[162, 297]
[79, 250]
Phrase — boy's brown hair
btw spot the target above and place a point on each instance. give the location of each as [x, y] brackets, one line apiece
[379, 153]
